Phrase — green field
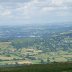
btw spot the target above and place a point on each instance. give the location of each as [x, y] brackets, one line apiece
[53, 67]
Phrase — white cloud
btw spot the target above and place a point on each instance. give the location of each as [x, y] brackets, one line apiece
[48, 8]
[57, 2]
[5, 13]
[34, 9]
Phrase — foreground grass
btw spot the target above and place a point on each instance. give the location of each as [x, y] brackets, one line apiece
[53, 67]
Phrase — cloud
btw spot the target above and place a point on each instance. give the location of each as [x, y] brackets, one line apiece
[57, 2]
[5, 13]
[45, 4]
[13, 1]
[35, 9]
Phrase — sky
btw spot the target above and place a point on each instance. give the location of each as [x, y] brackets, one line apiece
[35, 11]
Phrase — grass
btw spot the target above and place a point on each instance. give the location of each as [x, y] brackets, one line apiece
[53, 67]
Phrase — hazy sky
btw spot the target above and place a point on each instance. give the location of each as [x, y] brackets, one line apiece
[35, 11]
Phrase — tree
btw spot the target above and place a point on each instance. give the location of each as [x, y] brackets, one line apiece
[42, 61]
[48, 60]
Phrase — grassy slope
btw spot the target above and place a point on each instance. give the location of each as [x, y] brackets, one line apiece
[54, 67]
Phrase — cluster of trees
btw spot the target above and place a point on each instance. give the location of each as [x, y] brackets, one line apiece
[52, 43]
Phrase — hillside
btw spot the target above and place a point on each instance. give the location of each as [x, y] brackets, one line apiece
[54, 67]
